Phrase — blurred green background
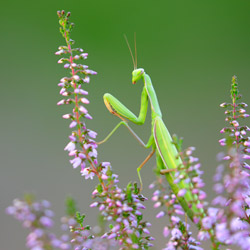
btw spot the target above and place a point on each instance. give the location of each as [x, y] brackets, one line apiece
[191, 49]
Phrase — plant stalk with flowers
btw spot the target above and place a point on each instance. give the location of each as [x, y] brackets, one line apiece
[225, 222]
[117, 205]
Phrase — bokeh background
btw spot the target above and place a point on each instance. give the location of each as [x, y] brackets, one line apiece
[191, 49]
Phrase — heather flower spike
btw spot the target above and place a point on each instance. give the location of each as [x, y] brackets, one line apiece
[230, 217]
[120, 207]
[37, 217]
[81, 147]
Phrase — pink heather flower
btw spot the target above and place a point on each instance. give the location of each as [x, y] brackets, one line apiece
[92, 133]
[135, 246]
[235, 123]
[237, 224]
[70, 147]
[84, 55]
[104, 177]
[157, 204]
[76, 77]
[73, 153]
[102, 207]
[59, 52]
[72, 124]
[146, 231]
[88, 116]
[72, 138]
[203, 235]
[60, 60]
[176, 233]
[126, 208]
[61, 102]
[80, 91]
[223, 105]
[182, 192]
[62, 91]
[207, 223]
[87, 173]
[222, 142]
[46, 221]
[166, 232]
[140, 206]
[82, 155]
[129, 241]
[202, 195]
[86, 79]
[222, 233]
[175, 219]
[76, 57]
[83, 109]
[94, 204]
[76, 162]
[84, 100]
[106, 164]
[160, 214]
[90, 72]
[66, 116]
[247, 157]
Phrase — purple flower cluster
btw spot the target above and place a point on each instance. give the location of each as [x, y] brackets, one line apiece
[83, 237]
[177, 230]
[37, 217]
[190, 172]
[123, 208]
[194, 176]
[230, 219]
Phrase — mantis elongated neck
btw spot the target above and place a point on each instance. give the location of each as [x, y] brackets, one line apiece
[156, 111]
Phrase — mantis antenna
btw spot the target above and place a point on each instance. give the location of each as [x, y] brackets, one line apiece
[135, 66]
[135, 51]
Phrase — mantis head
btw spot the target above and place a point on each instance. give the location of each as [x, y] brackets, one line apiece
[137, 75]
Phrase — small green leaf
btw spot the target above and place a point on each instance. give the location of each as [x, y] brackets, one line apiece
[99, 188]
[134, 238]
[139, 217]
[129, 192]
[79, 218]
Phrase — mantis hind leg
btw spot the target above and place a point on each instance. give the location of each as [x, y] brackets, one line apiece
[143, 163]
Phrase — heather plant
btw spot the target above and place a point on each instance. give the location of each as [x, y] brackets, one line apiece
[225, 222]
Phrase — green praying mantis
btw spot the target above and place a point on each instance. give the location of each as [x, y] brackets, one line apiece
[160, 140]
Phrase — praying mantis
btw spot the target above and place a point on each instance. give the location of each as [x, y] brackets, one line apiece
[160, 140]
